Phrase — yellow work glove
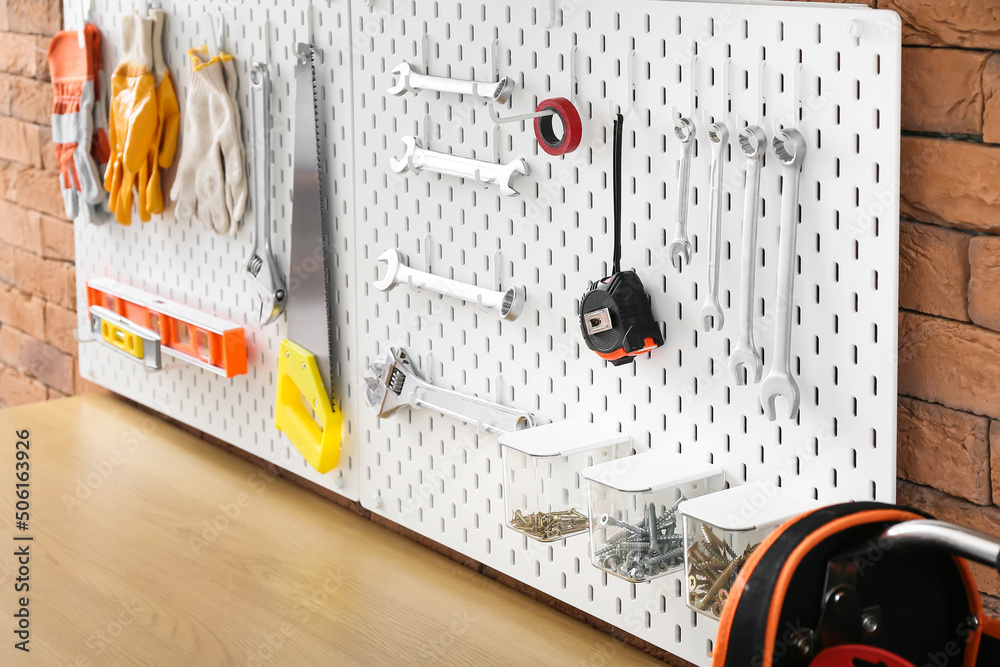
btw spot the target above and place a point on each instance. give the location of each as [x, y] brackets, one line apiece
[132, 116]
[161, 152]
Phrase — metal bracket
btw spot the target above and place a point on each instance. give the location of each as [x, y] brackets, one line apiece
[134, 342]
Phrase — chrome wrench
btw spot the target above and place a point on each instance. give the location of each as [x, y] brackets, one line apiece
[680, 247]
[488, 173]
[393, 385]
[746, 358]
[508, 303]
[711, 311]
[408, 81]
[790, 148]
[260, 266]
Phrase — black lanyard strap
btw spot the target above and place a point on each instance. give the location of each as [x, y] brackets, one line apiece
[617, 176]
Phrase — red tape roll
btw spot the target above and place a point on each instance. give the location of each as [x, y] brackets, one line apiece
[545, 133]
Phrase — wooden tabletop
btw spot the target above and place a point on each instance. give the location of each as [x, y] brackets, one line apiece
[152, 547]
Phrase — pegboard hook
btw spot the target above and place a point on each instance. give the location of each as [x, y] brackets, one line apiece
[485, 184]
[428, 366]
[615, 109]
[428, 252]
[82, 341]
[495, 58]
[727, 95]
[267, 41]
[854, 31]
[497, 278]
[517, 119]
[86, 11]
[426, 131]
[692, 102]
[776, 125]
[761, 98]
[214, 26]
[424, 56]
[574, 81]
[551, 12]
[496, 144]
[495, 69]
[309, 23]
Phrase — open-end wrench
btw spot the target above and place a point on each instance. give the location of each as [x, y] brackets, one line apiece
[508, 303]
[746, 357]
[680, 247]
[393, 385]
[417, 159]
[260, 266]
[711, 311]
[790, 148]
[408, 81]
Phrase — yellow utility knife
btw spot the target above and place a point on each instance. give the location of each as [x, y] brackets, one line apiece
[305, 409]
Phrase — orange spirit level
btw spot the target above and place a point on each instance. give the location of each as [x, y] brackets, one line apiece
[182, 332]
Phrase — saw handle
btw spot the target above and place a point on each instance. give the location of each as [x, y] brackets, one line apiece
[300, 386]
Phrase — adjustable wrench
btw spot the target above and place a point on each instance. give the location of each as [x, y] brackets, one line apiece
[408, 81]
[488, 173]
[393, 385]
[790, 148]
[508, 303]
[260, 266]
[745, 357]
[711, 311]
[680, 247]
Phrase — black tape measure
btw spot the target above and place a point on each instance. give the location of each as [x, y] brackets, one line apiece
[616, 317]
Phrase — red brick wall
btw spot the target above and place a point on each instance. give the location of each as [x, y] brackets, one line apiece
[949, 350]
[37, 279]
[949, 338]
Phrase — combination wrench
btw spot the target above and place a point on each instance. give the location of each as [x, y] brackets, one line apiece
[680, 247]
[746, 358]
[260, 266]
[393, 385]
[408, 81]
[790, 148]
[711, 311]
[416, 159]
[508, 303]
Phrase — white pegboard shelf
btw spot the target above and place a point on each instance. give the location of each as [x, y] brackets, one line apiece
[443, 479]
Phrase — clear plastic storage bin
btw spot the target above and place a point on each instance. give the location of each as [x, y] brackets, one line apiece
[634, 492]
[722, 530]
[544, 495]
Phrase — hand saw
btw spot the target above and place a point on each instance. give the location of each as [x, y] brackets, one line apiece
[305, 408]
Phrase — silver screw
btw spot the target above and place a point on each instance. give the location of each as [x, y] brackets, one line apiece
[803, 643]
[608, 520]
[869, 623]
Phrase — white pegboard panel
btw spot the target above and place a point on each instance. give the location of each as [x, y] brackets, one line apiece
[444, 480]
[188, 264]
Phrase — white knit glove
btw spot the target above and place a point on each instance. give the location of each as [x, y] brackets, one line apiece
[211, 185]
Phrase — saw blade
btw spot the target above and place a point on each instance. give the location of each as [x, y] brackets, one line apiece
[309, 308]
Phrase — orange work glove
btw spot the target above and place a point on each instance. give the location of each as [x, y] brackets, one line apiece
[73, 97]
